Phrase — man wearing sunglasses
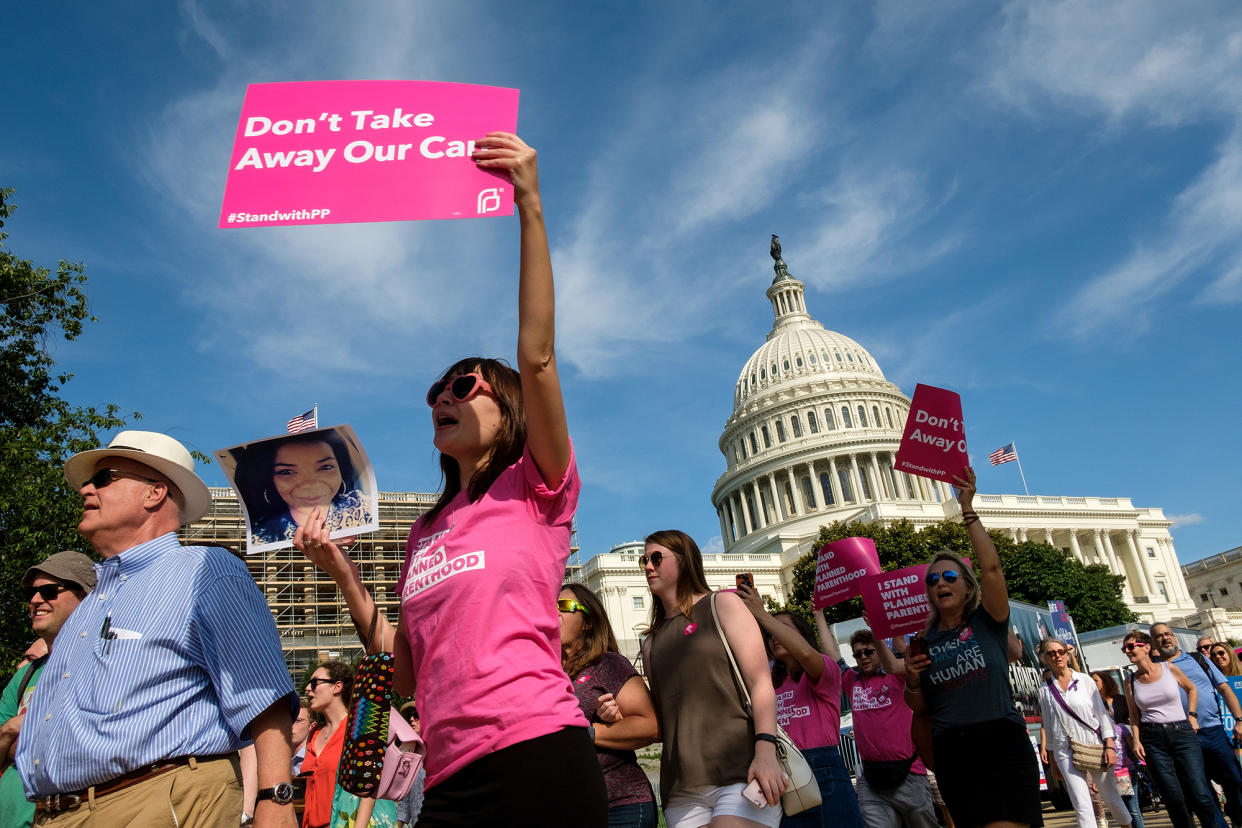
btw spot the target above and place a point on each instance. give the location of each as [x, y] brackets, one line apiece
[170, 667]
[1218, 758]
[892, 783]
[52, 590]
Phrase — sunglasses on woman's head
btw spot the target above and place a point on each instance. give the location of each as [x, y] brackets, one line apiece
[949, 575]
[654, 557]
[570, 605]
[462, 387]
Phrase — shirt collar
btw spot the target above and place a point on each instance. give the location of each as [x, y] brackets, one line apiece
[137, 558]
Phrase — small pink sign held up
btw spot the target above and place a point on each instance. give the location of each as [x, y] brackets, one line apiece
[839, 567]
[896, 601]
[333, 152]
[934, 442]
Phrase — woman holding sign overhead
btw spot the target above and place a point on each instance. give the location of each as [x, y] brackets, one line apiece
[480, 634]
[958, 669]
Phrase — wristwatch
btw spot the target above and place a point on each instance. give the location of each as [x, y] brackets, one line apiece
[591, 733]
[281, 794]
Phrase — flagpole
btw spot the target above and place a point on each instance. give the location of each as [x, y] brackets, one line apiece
[1023, 476]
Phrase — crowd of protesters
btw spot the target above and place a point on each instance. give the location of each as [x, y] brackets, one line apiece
[159, 694]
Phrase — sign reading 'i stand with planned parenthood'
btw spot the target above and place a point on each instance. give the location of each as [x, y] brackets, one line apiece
[332, 152]
[934, 441]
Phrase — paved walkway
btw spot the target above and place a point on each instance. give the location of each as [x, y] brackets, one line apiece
[1066, 819]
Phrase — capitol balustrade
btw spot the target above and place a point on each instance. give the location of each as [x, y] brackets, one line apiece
[1076, 504]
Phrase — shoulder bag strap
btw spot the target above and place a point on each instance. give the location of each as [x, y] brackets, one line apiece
[30, 671]
[1056, 694]
[1202, 662]
[729, 650]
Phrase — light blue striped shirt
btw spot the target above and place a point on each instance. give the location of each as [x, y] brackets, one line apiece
[190, 658]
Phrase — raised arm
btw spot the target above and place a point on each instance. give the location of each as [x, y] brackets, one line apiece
[797, 646]
[987, 562]
[311, 539]
[827, 640]
[547, 433]
[747, 644]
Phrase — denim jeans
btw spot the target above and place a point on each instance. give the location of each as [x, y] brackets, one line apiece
[1222, 768]
[1175, 761]
[634, 815]
[840, 806]
[1136, 810]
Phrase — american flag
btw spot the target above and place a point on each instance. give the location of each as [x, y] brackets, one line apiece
[303, 422]
[1004, 454]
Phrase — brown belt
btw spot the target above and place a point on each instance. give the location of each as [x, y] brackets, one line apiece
[54, 804]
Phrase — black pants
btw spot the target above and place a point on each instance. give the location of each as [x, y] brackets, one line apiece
[532, 784]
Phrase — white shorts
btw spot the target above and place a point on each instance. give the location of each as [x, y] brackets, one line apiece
[695, 807]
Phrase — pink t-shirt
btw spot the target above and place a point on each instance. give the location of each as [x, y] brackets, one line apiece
[810, 711]
[881, 717]
[478, 607]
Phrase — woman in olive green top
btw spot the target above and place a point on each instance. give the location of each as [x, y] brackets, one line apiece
[711, 748]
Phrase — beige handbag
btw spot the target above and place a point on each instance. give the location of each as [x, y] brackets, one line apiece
[802, 791]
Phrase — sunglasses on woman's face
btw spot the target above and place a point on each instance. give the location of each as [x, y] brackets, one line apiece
[570, 605]
[1130, 646]
[1220, 654]
[1055, 653]
[462, 387]
[949, 575]
[314, 683]
[655, 558]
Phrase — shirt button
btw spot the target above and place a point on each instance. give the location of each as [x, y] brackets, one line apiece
[36, 763]
[48, 717]
[124, 577]
[84, 633]
[66, 674]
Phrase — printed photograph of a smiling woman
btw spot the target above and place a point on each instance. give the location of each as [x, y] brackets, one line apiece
[282, 480]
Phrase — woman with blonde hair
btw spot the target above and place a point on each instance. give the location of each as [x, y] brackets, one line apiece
[1224, 657]
[1073, 710]
[712, 748]
[958, 669]
[614, 698]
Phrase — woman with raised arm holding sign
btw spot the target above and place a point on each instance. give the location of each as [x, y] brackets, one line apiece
[479, 633]
[958, 669]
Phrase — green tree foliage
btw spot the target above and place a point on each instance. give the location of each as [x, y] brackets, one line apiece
[1034, 572]
[39, 513]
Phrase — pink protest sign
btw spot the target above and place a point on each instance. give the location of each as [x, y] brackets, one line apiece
[934, 442]
[839, 566]
[332, 152]
[896, 601]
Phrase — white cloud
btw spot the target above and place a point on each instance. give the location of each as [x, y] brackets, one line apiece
[714, 546]
[1139, 65]
[1186, 520]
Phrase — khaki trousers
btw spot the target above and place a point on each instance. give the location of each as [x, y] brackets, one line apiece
[198, 795]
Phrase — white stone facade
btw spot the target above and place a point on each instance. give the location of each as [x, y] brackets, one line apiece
[812, 439]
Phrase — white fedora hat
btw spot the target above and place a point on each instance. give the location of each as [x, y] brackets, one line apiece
[160, 452]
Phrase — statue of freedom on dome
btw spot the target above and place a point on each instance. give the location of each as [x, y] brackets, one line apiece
[776, 247]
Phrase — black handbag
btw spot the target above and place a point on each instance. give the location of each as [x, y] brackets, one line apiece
[887, 775]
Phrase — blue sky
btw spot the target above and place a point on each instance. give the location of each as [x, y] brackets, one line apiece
[1036, 204]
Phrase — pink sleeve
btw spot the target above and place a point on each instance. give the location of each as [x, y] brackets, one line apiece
[557, 506]
[829, 684]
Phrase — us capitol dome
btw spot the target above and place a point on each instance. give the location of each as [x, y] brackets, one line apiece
[813, 437]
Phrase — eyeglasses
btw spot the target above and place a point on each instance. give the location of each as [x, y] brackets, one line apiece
[1205, 648]
[655, 557]
[47, 592]
[866, 651]
[949, 575]
[1055, 653]
[104, 477]
[315, 682]
[1220, 653]
[570, 605]
[462, 387]
[1129, 646]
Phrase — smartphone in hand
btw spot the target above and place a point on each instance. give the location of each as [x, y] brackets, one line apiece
[747, 578]
[753, 792]
[917, 646]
